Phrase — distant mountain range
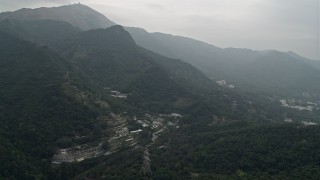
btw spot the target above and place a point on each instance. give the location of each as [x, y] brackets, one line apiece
[73, 82]
[283, 73]
[238, 66]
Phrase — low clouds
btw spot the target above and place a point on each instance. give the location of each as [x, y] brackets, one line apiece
[257, 24]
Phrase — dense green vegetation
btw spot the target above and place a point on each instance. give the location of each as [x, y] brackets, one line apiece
[42, 111]
[271, 149]
[34, 111]
[234, 150]
[56, 81]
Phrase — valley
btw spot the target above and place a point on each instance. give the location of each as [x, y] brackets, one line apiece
[84, 98]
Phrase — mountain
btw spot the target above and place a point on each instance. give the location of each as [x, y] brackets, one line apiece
[282, 72]
[42, 32]
[35, 110]
[239, 66]
[209, 58]
[59, 91]
[314, 63]
[112, 56]
[93, 104]
[78, 15]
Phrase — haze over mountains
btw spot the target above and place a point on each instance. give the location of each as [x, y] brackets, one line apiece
[83, 98]
[240, 66]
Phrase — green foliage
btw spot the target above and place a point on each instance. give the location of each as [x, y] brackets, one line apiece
[64, 143]
[35, 112]
[231, 151]
[106, 145]
[41, 110]
[277, 150]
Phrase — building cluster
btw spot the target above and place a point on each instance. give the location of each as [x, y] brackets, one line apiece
[78, 153]
[306, 123]
[118, 94]
[149, 121]
[176, 115]
[114, 120]
[298, 105]
[118, 135]
[124, 131]
[288, 120]
[224, 83]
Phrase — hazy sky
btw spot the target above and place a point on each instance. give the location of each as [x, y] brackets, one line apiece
[257, 24]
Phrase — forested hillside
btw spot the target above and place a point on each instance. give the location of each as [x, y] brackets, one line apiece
[82, 100]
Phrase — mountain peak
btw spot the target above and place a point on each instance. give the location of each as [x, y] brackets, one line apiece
[78, 15]
[74, 6]
[117, 28]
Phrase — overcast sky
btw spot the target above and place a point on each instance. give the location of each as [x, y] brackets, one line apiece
[256, 24]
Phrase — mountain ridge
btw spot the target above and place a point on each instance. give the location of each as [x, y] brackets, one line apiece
[89, 18]
[94, 104]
